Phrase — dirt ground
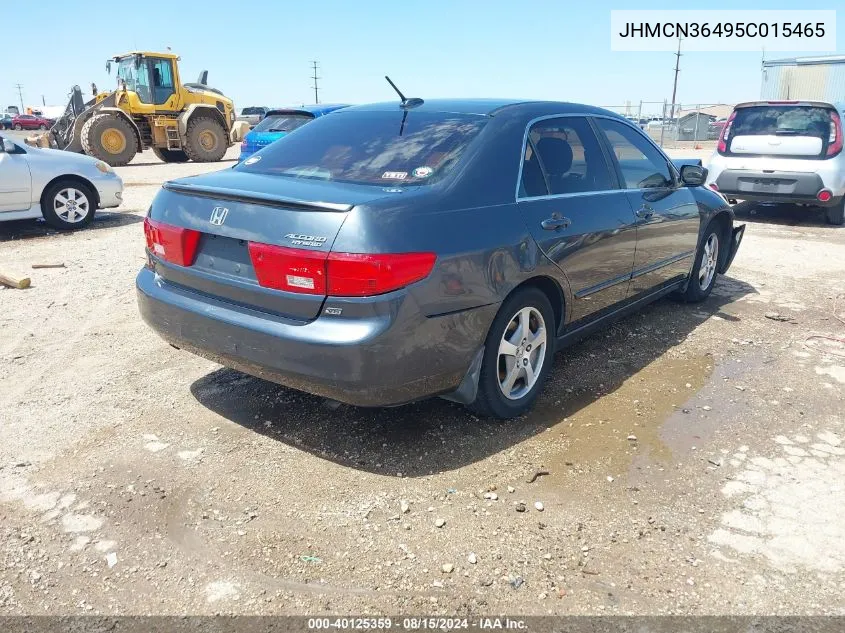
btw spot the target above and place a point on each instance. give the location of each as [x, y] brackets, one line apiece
[695, 456]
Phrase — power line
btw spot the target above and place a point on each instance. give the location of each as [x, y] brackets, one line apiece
[675, 86]
[20, 95]
[315, 78]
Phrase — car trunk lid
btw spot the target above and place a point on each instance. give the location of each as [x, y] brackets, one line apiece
[256, 240]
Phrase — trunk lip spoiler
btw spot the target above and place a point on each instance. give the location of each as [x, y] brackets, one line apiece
[265, 199]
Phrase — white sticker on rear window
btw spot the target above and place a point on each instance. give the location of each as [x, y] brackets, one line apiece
[422, 172]
[395, 175]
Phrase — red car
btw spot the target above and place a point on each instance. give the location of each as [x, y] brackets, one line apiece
[30, 122]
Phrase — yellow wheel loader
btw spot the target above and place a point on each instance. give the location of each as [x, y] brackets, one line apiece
[151, 108]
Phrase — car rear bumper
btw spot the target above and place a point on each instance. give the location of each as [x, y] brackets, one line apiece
[772, 186]
[386, 360]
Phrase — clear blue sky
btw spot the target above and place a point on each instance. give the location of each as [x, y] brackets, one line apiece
[546, 49]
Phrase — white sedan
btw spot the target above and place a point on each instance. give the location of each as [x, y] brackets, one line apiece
[62, 187]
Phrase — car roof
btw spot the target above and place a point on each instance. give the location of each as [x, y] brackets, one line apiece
[797, 102]
[491, 107]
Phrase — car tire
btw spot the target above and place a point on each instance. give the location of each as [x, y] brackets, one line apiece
[706, 268]
[836, 215]
[18, 127]
[57, 211]
[170, 155]
[507, 355]
[42, 127]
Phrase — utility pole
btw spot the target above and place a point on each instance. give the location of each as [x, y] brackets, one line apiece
[43, 101]
[20, 95]
[675, 86]
[315, 78]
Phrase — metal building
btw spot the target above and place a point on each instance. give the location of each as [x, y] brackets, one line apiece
[810, 78]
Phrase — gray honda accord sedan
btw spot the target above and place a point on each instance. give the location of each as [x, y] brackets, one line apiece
[398, 251]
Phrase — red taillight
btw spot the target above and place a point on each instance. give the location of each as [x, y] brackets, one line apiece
[336, 274]
[723, 137]
[834, 143]
[824, 195]
[291, 269]
[714, 186]
[359, 275]
[174, 244]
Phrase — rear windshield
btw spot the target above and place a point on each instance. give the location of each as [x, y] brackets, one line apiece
[782, 120]
[282, 122]
[376, 148]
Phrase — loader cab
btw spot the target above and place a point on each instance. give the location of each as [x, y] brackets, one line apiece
[154, 79]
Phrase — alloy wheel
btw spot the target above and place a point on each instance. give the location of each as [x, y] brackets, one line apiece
[71, 205]
[522, 352]
[709, 262]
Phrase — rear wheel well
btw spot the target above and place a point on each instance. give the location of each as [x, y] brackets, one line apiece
[72, 178]
[553, 292]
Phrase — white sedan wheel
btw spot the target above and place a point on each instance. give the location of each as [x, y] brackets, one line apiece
[71, 205]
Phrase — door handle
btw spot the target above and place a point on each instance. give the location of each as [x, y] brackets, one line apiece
[556, 222]
[645, 212]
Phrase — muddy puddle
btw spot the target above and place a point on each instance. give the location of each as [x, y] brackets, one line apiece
[644, 418]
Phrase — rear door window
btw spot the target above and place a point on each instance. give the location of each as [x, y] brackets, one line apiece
[386, 148]
[569, 156]
[781, 130]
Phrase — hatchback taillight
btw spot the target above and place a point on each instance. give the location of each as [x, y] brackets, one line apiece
[722, 147]
[174, 244]
[337, 274]
[834, 141]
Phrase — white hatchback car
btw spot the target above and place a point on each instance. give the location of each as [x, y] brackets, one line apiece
[62, 187]
[782, 151]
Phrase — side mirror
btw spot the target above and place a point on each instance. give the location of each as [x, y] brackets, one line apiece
[7, 147]
[693, 175]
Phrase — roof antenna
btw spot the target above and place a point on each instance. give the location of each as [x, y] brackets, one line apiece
[413, 102]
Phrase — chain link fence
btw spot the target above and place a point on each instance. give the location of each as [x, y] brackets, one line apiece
[673, 125]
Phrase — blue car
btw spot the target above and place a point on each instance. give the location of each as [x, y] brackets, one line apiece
[276, 123]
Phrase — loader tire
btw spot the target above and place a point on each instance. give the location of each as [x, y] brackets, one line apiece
[170, 155]
[110, 138]
[206, 140]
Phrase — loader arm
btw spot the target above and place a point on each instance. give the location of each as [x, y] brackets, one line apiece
[66, 131]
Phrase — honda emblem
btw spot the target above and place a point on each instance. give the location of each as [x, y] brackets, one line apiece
[218, 216]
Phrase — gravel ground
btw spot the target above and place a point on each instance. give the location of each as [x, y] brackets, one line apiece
[695, 456]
